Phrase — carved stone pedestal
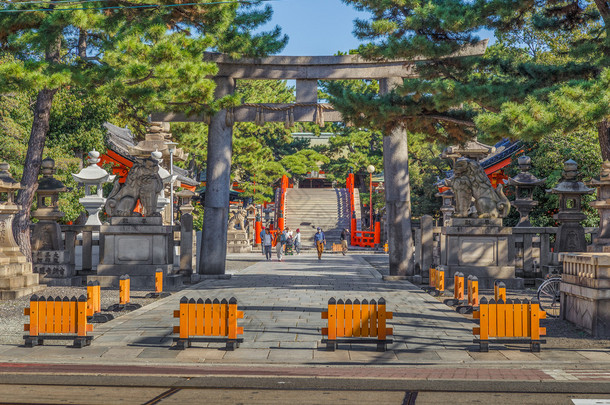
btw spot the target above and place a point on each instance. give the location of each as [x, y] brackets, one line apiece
[55, 268]
[137, 246]
[238, 242]
[478, 247]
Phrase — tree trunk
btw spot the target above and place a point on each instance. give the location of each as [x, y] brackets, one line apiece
[33, 161]
[603, 134]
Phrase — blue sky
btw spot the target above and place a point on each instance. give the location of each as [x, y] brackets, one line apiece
[317, 27]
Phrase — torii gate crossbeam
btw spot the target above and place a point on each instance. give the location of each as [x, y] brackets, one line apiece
[306, 70]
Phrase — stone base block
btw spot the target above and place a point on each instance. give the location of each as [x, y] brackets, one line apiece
[20, 292]
[76, 281]
[587, 308]
[133, 270]
[136, 282]
[486, 275]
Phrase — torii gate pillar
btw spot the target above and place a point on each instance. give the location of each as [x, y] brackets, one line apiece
[397, 195]
[213, 248]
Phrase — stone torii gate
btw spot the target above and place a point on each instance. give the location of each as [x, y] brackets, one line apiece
[306, 70]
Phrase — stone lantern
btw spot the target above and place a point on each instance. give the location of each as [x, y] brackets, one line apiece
[185, 197]
[571, 234]
[524, 184]
[602, 204]
[47, 233]
[447, 208]
[16, 276]
[49, 258]
[93, 176]
[187, 237]
[168, 179]
[9, 250]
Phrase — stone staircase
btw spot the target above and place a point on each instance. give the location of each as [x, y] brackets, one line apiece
[18, 280]
[327, 208]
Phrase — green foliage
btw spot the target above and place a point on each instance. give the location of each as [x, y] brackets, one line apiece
[548, 156]
[75, 126]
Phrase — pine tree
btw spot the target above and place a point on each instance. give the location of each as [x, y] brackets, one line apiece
[149, 56]
[563, 83]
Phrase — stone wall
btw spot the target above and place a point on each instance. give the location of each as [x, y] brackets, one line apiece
[585, 291]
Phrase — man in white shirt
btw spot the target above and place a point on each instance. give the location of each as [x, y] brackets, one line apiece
[267, 240]
[297, 242]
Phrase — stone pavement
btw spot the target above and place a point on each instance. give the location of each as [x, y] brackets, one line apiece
[282, 302]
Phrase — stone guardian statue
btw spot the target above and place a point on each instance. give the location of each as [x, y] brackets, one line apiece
[142, 183]
[470, 182]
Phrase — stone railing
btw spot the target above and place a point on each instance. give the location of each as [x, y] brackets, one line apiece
[533, 248]
[589, 270]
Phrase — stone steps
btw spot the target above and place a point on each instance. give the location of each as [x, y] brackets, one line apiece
[20, 292]
[20, 281]
[308, 209]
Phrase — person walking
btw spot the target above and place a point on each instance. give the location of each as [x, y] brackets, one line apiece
[297, 242]
[279, 245]
[319, 240]
[262, 235]
[344, 238]
[267, 239]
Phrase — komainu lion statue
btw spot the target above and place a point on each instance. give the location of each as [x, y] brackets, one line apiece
[142, 183]
[470, 182]
[238, 219]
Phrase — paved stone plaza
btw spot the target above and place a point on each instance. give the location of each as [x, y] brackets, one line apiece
[282, 302]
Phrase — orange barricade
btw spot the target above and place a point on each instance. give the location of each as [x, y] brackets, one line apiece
[439, 279]
[94, 304]
[458, 287]
[337, 247]
[472, 295]
[158, 286]
[499, 291]
[124, 296]
[57, 319]
[512, 319]
[473, 291]
[94, 298]
[210, 318]
[355, 320]
[124, 290]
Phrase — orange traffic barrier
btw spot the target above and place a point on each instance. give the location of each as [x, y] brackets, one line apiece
[356, 320]
[499, 291]
[159, 281]
[337, 247]
[458, 287]
[124, 296]
[473, 291]
[94, 298]
[124, 290]
[472, 295]
[57, 319]
[214, 321]
[514, 319]
[158, 286]
[439, 279]
[94, 304]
